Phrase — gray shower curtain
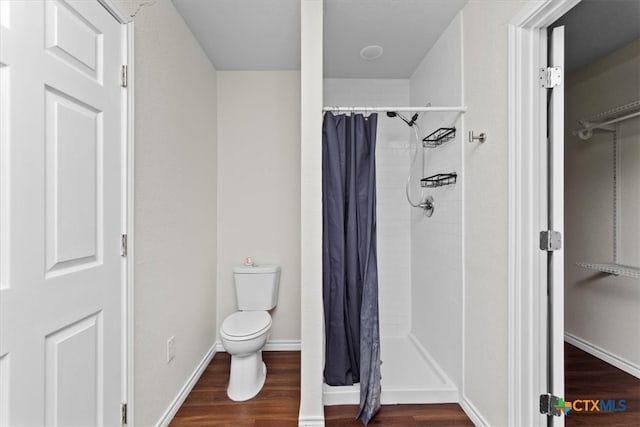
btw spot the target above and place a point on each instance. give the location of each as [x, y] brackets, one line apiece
[350, 273]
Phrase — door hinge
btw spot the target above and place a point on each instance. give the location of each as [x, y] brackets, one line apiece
[550, 240]
[124, 76]
[123, 245]
[550, 77]
[123, 414]
[551, 405]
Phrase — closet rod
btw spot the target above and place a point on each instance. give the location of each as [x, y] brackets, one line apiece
[396, 109]
[587, 131]
[619, 119]
[607, 118]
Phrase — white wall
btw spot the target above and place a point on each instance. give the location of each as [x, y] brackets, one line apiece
[311, 366]
[175, 205]
[485, 71]
[436, 242]
[392, 165]
[603, 310]
[259, 186]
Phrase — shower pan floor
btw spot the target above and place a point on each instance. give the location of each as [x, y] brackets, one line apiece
[409, 375]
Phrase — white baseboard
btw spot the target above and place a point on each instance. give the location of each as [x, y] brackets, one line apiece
[612, 359]
[283, 345]
[311, 421]
[472, 412]
[186, 389]
[272, 345]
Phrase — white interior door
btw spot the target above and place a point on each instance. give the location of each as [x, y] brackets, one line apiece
[60, 214]
[555, 264]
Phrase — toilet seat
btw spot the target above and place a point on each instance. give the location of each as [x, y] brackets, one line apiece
[245, 325]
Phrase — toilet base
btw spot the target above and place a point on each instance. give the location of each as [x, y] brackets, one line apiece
[247, 376]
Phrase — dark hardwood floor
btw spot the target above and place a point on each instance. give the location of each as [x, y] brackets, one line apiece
[275, 405]
[277, 402]
[449, 414]
[587, 377]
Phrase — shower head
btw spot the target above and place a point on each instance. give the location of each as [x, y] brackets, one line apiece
[410, 123]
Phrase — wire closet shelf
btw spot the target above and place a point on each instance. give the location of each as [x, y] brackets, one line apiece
[605, 121]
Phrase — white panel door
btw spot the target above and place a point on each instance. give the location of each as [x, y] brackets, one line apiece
[60, 214]
[555, 339]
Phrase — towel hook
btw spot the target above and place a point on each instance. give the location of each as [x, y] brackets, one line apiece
[482, 137]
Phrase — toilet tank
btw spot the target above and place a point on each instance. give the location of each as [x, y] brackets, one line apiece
[256, 286]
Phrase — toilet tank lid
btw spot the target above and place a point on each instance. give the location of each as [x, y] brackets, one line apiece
[256, 269]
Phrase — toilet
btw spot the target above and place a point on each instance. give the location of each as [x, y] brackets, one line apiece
[245, 332]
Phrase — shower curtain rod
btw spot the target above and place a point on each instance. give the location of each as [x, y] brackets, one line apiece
[396, 109]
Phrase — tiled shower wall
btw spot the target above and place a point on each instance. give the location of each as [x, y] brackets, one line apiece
[436, 242]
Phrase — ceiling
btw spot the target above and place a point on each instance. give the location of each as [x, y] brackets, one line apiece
[265, 34]
[595, 28]
[246, 34]
[406, 30]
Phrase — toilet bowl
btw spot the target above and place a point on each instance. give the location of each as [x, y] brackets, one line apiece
[243, 336]
[245, 332]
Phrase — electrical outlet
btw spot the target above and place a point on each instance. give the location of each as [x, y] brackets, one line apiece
[171, 349]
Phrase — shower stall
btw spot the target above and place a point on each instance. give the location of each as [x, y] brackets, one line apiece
[420, 249]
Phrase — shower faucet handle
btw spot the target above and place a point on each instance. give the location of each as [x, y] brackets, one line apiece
[428, 206]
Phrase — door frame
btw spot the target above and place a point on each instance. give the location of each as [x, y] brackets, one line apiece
[527, 299]
[127, 214]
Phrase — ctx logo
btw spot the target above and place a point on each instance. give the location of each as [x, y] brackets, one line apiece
[589, 405]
